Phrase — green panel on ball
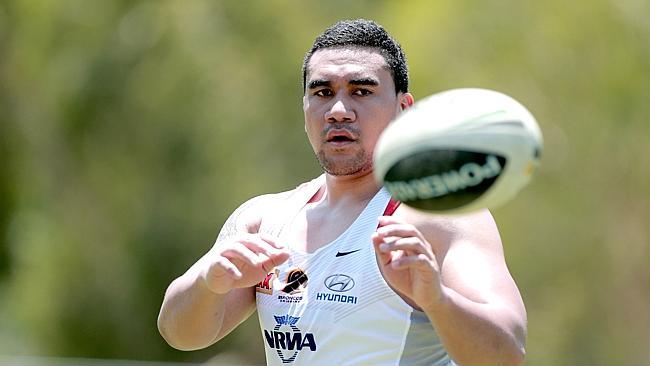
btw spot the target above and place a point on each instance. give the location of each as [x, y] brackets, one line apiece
[443, 179]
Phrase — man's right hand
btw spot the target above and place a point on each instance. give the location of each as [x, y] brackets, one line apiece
[241, 261]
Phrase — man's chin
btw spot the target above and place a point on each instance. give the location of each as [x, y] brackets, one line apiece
[342, 173]
[345, 166]
[349, 170]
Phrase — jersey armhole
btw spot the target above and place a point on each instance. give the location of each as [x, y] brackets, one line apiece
[393, 204]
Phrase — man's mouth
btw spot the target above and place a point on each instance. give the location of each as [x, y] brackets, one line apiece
[340, 137]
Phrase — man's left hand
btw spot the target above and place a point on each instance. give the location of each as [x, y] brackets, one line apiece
[407, 261]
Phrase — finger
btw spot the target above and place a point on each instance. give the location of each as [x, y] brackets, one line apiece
[224, 267]
[270, 255]
[243, 254]
[276, 260]
[258, 244]
[377, 239]
[399, 230]
[383, 257]
[270, 262]
[271, 241]
[411, 261]
[388, 220]
[264, 262]
[411, 244]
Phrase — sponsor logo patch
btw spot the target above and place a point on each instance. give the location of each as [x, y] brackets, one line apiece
[266, 285]
[341, 254]
[287, 339]
[338, 283]
[346, 299]
[296, 282]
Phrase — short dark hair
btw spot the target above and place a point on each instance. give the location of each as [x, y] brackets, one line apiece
[363, 33]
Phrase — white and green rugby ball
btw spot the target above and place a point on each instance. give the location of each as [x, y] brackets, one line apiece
[460, 150]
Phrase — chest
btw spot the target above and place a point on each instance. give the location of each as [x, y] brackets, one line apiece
[312, 228]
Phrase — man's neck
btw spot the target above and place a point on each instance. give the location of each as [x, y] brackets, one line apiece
[359, 188]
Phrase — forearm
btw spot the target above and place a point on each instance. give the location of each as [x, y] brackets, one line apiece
[191, 315]
[478, 333]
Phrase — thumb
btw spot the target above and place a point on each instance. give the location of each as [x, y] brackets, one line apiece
[384, 257]
[272, 241]
[274, 259]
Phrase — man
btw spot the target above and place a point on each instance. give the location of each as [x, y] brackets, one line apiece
[339, 273]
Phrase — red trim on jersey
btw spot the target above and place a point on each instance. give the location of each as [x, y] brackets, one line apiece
[393, 204]
[318, 195]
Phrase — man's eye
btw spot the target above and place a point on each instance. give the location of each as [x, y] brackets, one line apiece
[323, 93]
[362, 92]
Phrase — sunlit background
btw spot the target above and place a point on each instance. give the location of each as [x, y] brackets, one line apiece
[129, 130]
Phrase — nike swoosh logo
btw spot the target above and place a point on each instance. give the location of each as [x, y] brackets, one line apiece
[340, 254]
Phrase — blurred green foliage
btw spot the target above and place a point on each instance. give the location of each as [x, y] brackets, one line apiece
[129, 130]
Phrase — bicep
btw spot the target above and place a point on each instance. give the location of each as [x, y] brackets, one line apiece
[474, 264]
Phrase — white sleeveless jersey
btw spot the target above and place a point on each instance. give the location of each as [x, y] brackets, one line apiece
[333, 307]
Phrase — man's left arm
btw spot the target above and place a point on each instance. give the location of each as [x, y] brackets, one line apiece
[453, 268]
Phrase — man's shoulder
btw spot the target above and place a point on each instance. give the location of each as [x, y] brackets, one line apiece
[445, 230]
[279, 197]
[248, 217]
[255, 205]
[259, 206]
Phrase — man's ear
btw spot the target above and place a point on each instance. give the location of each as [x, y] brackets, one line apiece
[406, 100]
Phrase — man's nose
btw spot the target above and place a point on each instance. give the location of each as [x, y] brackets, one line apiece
[340, 112]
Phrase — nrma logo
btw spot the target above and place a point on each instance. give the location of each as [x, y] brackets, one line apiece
[288, 342]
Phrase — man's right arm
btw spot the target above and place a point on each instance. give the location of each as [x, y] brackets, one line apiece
[217, 293]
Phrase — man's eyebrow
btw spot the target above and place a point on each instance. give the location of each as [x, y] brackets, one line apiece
[313, 84]
[364, 81]
[317, 83]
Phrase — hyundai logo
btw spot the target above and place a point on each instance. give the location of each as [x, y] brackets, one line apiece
[339, 283]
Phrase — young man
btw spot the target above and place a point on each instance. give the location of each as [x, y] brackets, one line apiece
[339, 273]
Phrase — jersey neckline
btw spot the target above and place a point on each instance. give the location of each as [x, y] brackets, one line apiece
[381, 195]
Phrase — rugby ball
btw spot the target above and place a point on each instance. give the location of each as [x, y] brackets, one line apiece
[458, 151]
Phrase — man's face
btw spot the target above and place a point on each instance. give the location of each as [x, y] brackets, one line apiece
[349, 99]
